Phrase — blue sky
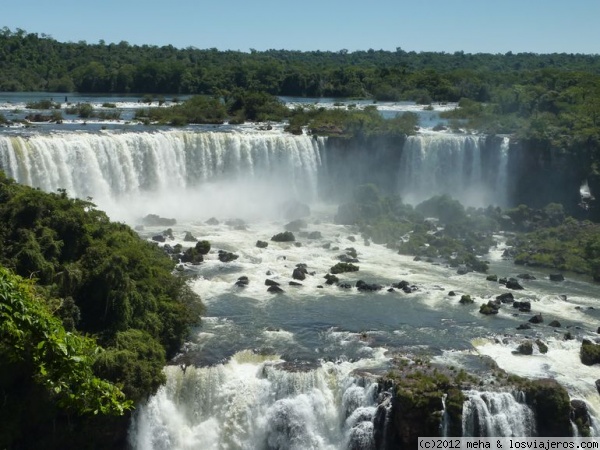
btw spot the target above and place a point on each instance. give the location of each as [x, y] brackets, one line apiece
[493, 26]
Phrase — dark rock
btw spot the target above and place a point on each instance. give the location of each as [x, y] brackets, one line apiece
[203, 247]
[345, 285]
[262, 244]
[158, 238]
[589, 352]
[295, 225]
[299, 274]
[524, 326]
[327, 246]
[275, 290]
[320, 286]
[506, 297]
[554, 323]
[351, 238]
[212, 221]
[524, 306]
[542, 347]
[563, 297]
[189, 237]
[463, 270]
[271, 282]
[331, 279]
[168, 249]
[537, 319]
[286, 236]
[598, 386]
[343, 268]
[168, 233]
[451, 293]
[298, 244]
[295, 283]
[526, 276]
[226, 257]
[417, 258]
[152, 220]
[502, 281]
[525, 347]
[347, 259]
[391, 290]
[351, 251]
[244, 279]
[369, 287]
[492, 278]
[489, 308]
[513, 284]
[466, 299]
[556, 277]
[551, 406]
[315, 235]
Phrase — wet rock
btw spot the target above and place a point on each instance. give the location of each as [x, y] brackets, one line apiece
[295, 283]
[542, 347]
[598, 386]
[451, 293]
[345, 285]
[489, 308]
[298, 244]
[492, 278]
[463, 270]
[524, 306]
[367, 287]
[153, 220]
[555, 324]
[525, 347]
[315, 235]
[327, 246]
[242, 281]
[286, 236]
[275, 290]
[513, 284]
[563, 297]
[466, 299]
[506, 297]
[526, 276]
[262, 244]
[331, 279]
[589, 352]
[212, 221]
[269, 282]
[296, 225]
[537, 319]
[158, 238]
[502, 281]
[226, 257]
[299, 274]
[524, 326]
[556, 277]
[347, 259]
[189, 237]
[351, 238]
[391, 290]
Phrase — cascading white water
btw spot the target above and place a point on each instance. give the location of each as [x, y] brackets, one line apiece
[435, 164]
[126, 167]
[502, 176]
[497, 414]
[251, 403]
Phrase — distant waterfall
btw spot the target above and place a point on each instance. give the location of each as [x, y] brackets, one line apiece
[113, 166]
[436, 164]
[497, 414]
[502, 176]
[251, 403]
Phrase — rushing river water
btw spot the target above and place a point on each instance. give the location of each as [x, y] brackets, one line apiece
[298, 370]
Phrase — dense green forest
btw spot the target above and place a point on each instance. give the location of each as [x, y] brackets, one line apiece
[551, 99]
[88, 329]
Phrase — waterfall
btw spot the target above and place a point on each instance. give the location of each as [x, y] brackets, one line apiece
[252, 403]
[445, 425]
[435, 164]
[487, 414]
[113, 166]
[502, 179]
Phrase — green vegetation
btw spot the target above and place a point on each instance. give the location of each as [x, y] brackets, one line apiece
[456, 236]
[343, 268]
[589, 353]
[550, 239]
[93, 277]
[552, 100]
